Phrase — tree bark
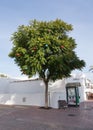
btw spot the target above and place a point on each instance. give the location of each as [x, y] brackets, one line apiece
[46, 94]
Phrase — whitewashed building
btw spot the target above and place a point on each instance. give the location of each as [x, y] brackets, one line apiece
[73, 90]
[31, 92]
[21, 92]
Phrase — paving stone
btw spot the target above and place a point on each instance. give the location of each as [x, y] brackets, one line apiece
[36, 118]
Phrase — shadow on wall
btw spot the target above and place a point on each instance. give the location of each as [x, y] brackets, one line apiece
[37, 99]
[7, 99]
[10, 99]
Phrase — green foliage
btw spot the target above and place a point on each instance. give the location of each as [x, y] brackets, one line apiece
[3, 76]
[45, 45]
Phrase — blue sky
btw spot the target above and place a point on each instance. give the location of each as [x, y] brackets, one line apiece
[18, 12]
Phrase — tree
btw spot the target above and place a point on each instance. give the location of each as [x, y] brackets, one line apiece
[3, 76]
[47, 49]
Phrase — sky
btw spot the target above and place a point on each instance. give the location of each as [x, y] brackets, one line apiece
[14, 13]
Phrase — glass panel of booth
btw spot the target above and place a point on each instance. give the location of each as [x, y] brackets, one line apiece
[71, 96]
[72, 92]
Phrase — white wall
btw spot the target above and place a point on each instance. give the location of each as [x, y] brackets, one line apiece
[4, 85]
[57, 86]
[55, 96]
[32, 92]
[36, 99]
[22, 92]
[27, 87]
[57, 92]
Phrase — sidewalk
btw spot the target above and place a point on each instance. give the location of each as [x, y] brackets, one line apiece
[35, 118]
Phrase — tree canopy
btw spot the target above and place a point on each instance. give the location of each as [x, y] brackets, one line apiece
[45, 46]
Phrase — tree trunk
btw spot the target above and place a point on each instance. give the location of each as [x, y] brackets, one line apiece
[46, 94]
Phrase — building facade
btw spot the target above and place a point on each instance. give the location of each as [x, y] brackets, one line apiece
[73, 90]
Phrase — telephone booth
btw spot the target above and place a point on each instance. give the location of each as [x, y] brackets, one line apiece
[72, 92]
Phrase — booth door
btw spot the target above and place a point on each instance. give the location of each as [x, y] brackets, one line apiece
[72, 95]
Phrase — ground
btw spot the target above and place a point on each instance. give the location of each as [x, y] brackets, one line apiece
[36, 118]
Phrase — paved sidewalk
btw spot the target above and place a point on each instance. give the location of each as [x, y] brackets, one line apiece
[35, 118]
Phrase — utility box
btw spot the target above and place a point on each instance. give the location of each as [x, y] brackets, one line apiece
[62, 104]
